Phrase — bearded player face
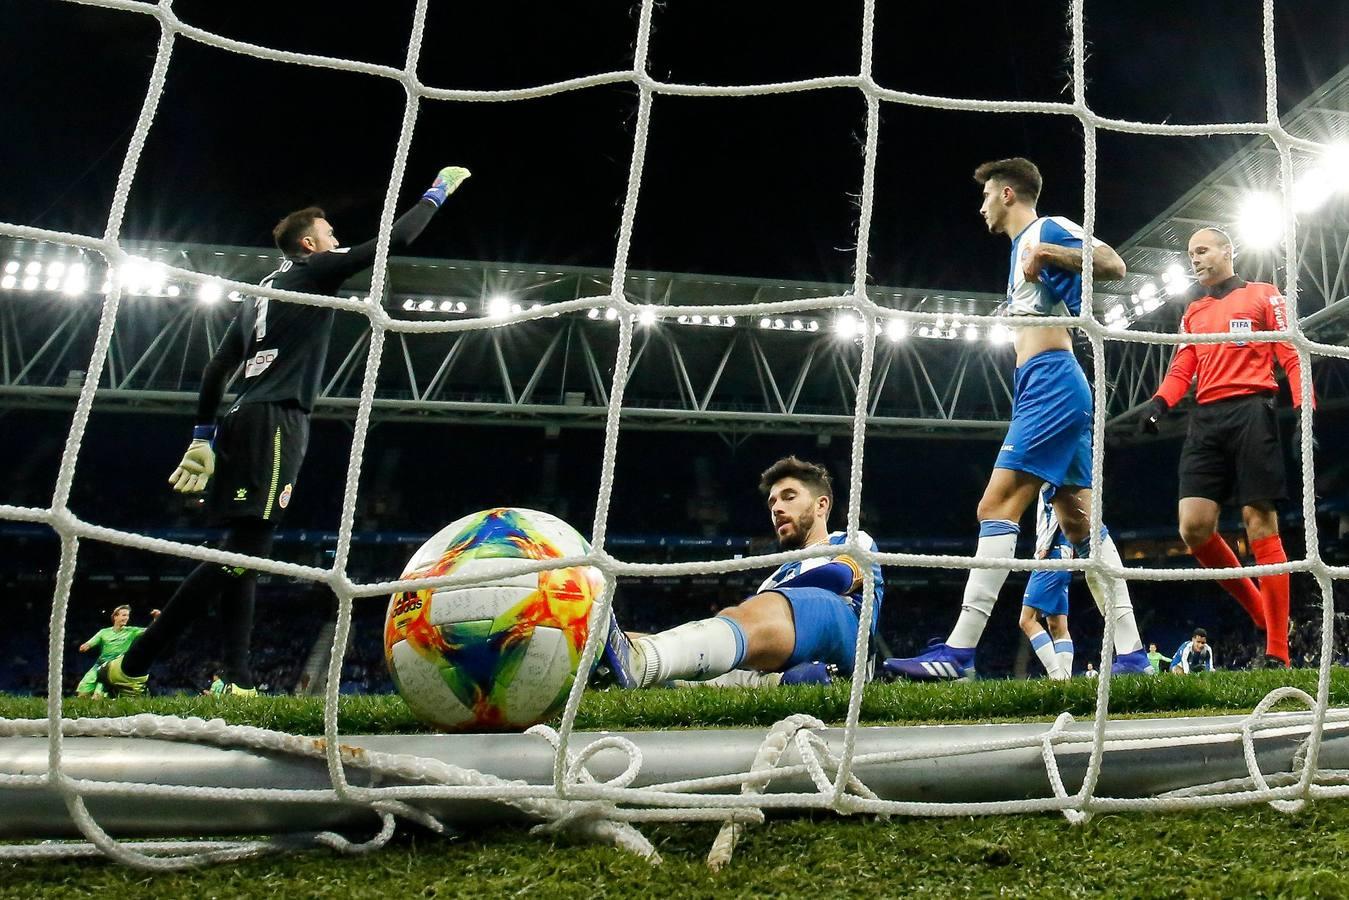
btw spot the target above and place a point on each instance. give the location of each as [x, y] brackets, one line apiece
[795, 511]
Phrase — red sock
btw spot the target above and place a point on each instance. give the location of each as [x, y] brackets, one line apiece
[1274, 589]
[1215, 554]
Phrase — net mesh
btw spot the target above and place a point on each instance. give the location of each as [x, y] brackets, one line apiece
[575, 801]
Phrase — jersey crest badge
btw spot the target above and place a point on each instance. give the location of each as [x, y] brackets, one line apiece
[284, 500]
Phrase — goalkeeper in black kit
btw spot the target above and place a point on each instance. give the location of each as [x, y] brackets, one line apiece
[251, 460]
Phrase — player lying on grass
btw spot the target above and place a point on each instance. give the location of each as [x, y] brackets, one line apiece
[1049, 439]
[1194, 656]
[1047, 595]
[1232, 450]
[256, 453]
[110, 643]
[804, 613]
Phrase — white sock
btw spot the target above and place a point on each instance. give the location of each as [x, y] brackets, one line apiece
[1127, 639]
[736, 678]
[997, 538]
[1043, 645]
[1063, 649]
[694, 651]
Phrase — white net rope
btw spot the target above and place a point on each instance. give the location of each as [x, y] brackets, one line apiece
[575, 801]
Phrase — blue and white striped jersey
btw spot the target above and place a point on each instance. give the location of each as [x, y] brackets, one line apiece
[788, 571]
[1057, 293]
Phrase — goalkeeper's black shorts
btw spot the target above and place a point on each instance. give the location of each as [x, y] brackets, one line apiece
[258, 451]
[1232, 452]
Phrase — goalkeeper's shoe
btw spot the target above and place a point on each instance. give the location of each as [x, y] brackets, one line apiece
[621, 663]
[938, 663]
[810, 673]
[117, 682]
[1135, 663]
[236, 690]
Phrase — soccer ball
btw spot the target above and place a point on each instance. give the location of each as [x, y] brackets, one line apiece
[498, 656]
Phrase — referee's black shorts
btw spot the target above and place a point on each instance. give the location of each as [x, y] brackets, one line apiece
[1232, 452]
[258, 451]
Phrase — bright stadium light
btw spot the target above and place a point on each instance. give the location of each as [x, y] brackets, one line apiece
[51, 284]
[173, 290]
[798, 325]
[696, 320]
[8, 282]
[812, 325]
[426, 305]
[778, 324]
[896, 330]
[447, 306]
[461, 306]
[408, 304]
[1327, 177]
[845, 326]
[1260, 220]
[1148, 291]
[971, 333]
[765, 322]
[33, 268]
[12, 267]
[714, 320]
[592, 313]
[925, 331]
[30, 283]
[728, 321]
[999, 334]
[646, 317]
[498, 306]
[56, 269]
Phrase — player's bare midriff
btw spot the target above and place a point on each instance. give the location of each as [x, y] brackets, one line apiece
[1034, 341]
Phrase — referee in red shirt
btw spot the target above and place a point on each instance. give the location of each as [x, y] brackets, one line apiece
[1232, 449]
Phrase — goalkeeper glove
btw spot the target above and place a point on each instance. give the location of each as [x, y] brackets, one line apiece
[446, 183]
[198, 463]
[1152, 416]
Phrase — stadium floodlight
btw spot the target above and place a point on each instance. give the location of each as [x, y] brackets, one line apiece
[610, 314]
[778, 324]
[12, 267]
[173, 290]
[8, 282]
[1151, 304]
[498, 306]
[426, 305]
[594, 313]
[1175, 272]
[714, 320]
[896, 330]
[999, 334]
[446, 306]
[1327, 177]
[461, 306]
[728, 321]
[51, 284]
[798, 325]
[30, 283]
[1148, 291]
[925, 331]
[696, 320]
[812, 325]
[1260, 220]
[408, 304]
[56, 269]
[971, 333]
[33, 268]
[765, 322]
[845, 326]
[646, 317]
[235, 296]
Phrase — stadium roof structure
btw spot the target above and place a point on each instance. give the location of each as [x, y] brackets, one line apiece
[733, 375]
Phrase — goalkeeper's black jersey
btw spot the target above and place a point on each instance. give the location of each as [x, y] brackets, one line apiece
[283, 346]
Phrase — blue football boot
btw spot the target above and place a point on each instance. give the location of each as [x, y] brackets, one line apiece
[1135, 663]
[938, 663]
[810, 673]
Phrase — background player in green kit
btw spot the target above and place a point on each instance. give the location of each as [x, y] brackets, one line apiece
[110, 643]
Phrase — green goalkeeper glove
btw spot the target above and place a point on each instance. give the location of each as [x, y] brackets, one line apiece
[446, 183]
[198, 463]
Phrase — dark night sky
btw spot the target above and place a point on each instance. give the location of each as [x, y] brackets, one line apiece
[760, 187]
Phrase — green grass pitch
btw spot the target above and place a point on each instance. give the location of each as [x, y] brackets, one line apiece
[1250, 851]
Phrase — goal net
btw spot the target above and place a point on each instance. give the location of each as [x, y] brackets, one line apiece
[833, 770]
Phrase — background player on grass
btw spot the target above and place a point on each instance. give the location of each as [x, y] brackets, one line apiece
[110, 643]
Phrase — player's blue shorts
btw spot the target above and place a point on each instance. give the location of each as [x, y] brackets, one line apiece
[826, 627]
[1048, 592]
[1050, 434]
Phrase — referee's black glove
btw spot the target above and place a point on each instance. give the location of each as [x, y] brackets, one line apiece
[1150, 421]
[1297, 437]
